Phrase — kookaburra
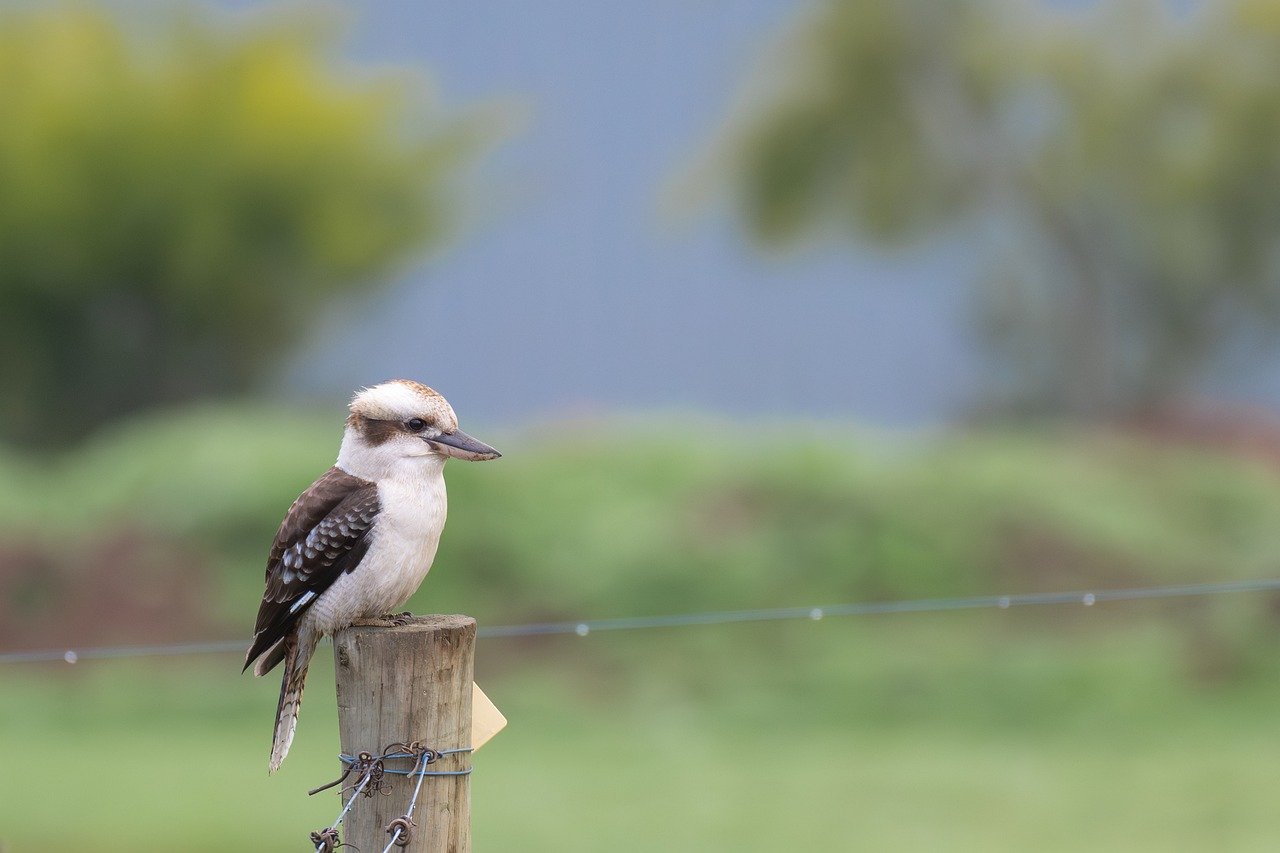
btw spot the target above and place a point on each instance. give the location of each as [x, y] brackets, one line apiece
[360, 540]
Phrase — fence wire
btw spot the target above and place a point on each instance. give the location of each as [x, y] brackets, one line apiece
[585, 627]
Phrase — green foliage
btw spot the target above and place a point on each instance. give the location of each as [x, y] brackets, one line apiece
[181, 197]
[1121, 152]
[842, 131]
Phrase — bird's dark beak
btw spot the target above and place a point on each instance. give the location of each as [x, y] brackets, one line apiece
[462, 446]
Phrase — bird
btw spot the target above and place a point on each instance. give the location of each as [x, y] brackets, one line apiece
[360, 540]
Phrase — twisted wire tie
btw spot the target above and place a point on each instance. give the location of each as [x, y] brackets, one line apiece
[369, 766]
[372, 770]
[435, 756]
[326, 839]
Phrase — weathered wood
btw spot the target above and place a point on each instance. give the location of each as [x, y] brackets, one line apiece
[401, 683]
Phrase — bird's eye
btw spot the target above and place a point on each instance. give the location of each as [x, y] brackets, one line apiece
[416, 425]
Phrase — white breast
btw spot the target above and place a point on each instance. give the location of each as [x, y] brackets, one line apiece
[403, 542]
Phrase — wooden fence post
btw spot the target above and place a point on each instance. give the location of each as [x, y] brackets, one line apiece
[401, 683]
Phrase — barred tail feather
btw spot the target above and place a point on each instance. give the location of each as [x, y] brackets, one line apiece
[297, 658]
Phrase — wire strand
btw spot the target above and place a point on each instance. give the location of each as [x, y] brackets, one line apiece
[413, 802]
[585, 627]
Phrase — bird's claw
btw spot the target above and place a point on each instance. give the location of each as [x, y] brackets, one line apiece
[385, 620]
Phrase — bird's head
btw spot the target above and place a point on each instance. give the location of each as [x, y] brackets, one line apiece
[404, 420]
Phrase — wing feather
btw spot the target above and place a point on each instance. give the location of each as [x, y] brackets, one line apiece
[324, 534]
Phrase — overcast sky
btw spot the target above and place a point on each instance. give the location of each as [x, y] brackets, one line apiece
[578, 295]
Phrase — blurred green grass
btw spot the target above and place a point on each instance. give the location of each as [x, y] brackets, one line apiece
[1139, 725]
[903, 733]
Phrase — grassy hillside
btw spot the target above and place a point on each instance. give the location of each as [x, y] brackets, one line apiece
[1141, 725]
[156, 532]
[617, 519]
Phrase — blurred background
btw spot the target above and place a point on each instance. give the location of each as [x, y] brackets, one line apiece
[767, 303]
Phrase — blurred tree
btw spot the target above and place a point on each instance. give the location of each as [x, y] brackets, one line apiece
[179, 199]
[1119, 160]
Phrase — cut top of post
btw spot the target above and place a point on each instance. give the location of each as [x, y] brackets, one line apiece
[452, 622]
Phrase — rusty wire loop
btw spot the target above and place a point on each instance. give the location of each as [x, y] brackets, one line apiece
[425, 754]
[401, 830]
[372, 769]
[326, 840]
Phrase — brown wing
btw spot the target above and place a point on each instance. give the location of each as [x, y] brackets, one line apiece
[324, 534]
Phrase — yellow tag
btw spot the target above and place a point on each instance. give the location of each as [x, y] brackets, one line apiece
[486, 719]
